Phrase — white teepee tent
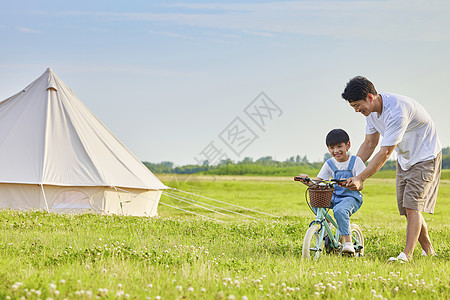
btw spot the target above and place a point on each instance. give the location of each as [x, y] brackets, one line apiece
[56, 155]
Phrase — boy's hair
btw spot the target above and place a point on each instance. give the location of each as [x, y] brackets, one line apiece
[336, 136]
[358, 88]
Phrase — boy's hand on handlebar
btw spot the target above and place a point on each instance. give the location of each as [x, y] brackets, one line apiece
[304, 178]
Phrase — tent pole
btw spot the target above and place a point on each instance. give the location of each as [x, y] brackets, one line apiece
[45, 198]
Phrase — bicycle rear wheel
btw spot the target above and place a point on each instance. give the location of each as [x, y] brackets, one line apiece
[312, 246]
[358, 235]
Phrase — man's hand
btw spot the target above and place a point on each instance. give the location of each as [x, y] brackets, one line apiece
[354, 184]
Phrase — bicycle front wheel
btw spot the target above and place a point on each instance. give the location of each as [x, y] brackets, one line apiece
[312, 245]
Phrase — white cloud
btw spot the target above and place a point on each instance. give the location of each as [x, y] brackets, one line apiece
[258, 33]
[413, 20]
[126, 68]
[170, 34]
[29, 30]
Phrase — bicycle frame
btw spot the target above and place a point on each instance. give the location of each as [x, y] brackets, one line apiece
[321, 218]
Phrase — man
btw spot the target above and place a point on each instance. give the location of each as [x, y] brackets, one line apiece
[407, 128]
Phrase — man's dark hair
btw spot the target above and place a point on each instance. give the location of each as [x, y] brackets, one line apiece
[336, 136]
[358, 88]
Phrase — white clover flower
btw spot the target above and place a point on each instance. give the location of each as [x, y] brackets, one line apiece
[203, 290]
[150, 285]
[179, 288]
[62, 281]
[231, 297]
[119, 294]
[190, 289]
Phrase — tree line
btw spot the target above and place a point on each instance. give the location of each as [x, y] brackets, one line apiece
[263, 166]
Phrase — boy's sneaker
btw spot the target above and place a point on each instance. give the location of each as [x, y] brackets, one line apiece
[348, 248]
[400, 258]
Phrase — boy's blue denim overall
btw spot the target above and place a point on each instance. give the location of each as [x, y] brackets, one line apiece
[345, 202]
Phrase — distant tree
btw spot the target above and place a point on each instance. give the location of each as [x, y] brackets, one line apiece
[226, 162]
[327, 156]
[266, 160]
[446, 158]
[247, 160]
[291, 159]
[162, 167]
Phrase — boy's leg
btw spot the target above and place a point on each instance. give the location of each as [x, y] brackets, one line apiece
[342, 212]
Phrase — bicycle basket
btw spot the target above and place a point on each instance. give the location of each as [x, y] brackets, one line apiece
[320, 196]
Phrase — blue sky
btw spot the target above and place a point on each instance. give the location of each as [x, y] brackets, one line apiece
[170, 78]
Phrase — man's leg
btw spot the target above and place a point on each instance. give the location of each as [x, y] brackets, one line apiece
[417, 230]
[413, 228]
[424, 239]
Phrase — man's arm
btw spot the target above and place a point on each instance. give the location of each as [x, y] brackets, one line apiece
[356, 183]
[368, 146]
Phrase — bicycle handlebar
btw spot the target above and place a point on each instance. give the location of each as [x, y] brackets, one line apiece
[331, 181]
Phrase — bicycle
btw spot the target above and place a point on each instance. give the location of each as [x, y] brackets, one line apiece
[323, 233]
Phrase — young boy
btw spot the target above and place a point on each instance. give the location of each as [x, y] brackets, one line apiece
[341, 166]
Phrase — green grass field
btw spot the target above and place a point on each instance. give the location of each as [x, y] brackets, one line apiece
[180, 255]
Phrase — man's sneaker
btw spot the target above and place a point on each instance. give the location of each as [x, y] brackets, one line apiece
[348, 248]
[424, 254]
[400, 258]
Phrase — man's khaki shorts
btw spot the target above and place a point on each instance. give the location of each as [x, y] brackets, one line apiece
[417, 187]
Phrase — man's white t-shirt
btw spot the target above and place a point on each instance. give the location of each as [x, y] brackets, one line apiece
[405, 123]
[326, 172]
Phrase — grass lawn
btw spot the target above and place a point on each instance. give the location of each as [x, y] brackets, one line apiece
[181, 255]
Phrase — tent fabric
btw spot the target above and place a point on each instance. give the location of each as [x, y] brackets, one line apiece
[50, 138]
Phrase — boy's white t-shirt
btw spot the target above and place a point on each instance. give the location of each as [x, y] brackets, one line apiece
[405, 123]
[326, 172]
